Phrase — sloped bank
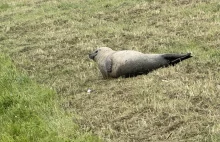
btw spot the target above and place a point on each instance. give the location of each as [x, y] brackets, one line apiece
[30, 112]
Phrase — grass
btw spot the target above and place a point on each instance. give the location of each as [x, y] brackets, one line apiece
[29, 112]
[50, 41]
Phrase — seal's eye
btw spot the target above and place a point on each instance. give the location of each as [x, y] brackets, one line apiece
[96, 51]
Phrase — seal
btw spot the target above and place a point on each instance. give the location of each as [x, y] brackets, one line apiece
[129, 63]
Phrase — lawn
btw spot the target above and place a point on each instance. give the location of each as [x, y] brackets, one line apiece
[49, 40]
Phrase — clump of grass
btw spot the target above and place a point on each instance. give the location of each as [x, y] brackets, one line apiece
[4, 6]
[30, 112]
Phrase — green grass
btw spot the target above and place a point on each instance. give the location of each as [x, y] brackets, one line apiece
[29, 112]
[50, 41]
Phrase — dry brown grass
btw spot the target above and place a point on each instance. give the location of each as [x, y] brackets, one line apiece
[50, 40]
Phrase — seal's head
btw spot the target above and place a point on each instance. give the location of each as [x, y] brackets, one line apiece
[99, 53]
[93, 54]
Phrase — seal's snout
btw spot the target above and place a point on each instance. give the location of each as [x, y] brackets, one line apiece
[91, 57]
[93, 54]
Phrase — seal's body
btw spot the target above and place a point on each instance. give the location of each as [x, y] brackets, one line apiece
[131, 63]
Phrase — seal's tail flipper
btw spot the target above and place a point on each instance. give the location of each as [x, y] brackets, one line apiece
[176, 58]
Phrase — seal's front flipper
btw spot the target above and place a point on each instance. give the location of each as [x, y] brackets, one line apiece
[108, 64]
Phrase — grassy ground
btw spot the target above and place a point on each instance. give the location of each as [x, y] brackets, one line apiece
[50, 40]
[29, 112]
